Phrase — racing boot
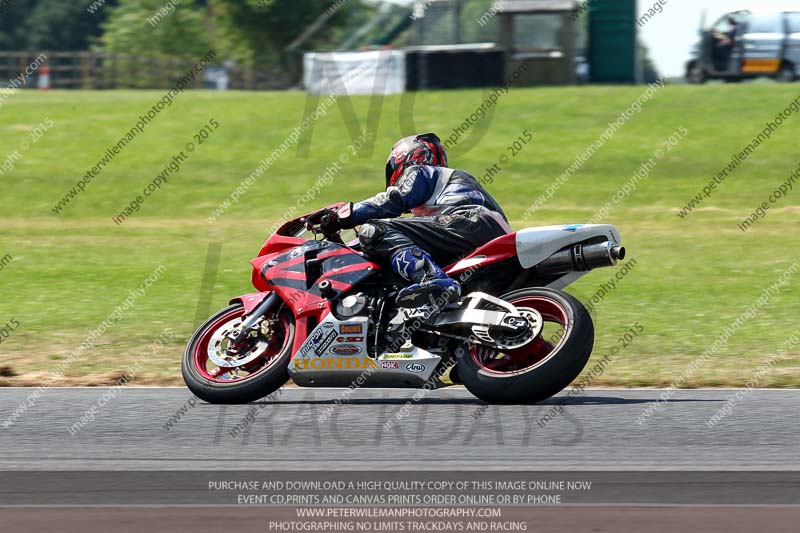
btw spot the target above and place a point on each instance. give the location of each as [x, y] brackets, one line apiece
[430, 285]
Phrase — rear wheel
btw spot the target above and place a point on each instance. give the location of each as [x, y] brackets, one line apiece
[539, 369]
[217, 372]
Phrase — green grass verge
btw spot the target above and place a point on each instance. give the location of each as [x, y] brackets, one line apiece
[692, 278]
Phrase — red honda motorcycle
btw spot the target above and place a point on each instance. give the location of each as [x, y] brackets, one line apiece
[325, 316]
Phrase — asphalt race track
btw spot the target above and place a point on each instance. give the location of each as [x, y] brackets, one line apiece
[112, 453]
[307, 429]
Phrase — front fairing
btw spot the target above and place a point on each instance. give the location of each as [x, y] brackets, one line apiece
[287, 236]
[296, 273]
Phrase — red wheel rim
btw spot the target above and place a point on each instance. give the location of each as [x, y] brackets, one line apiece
[210, 371]
[535, 353]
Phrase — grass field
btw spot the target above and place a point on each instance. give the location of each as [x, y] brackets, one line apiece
[64, 274]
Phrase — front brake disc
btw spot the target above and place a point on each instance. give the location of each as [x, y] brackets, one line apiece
[221, 353]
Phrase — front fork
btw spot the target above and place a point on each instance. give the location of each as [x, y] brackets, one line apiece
[270, 303]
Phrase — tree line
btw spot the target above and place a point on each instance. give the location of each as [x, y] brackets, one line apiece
[245, 31]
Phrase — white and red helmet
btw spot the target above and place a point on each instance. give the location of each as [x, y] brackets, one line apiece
[422, 149]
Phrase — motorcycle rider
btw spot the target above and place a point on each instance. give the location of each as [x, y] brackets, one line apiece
[453, 215]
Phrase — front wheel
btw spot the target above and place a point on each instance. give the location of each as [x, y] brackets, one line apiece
[217, 371]
[541, 368]
[695, 74]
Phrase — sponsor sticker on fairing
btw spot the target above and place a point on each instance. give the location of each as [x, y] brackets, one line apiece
[316, 337]
[346, 349]
[398, 356]
[415, 367]
[350, 339]
[345, 329]
[305, 349]
[312, 341]
[331, 363]
[325, 343]
[390, 364]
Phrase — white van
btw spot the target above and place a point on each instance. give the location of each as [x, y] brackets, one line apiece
[762, 39]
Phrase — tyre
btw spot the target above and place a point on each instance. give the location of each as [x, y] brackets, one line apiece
[264, 360]
[696, 75]
[539, 369]
[786, 74]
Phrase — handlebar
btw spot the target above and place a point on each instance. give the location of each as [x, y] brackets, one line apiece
[318, 229]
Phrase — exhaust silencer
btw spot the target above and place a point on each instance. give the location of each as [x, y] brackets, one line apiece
[580, 258]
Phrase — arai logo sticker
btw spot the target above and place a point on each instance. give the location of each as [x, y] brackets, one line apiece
[415, 367]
